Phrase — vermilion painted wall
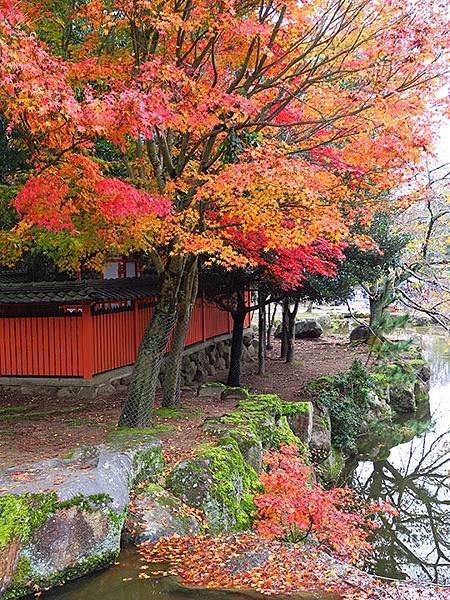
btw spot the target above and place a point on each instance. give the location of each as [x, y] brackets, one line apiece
[83, 344]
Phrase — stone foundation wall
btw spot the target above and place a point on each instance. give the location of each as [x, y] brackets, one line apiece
[200, 362]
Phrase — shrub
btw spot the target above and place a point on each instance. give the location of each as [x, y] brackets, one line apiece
[293, 507]
[346, 396]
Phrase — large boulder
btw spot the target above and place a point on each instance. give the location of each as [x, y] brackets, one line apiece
[220, 484]
[301, 420]
[62, 518]
[308, 329]
[304, 329]
[156, 513]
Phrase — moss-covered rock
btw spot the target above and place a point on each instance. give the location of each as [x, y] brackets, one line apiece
[259, 423]
[234, 393]
[220, 483]
[331, 468]
[50, 537]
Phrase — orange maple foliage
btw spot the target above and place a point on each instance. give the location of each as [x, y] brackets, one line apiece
[238, 115]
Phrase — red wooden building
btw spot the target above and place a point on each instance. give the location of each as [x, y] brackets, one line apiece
[80, 329]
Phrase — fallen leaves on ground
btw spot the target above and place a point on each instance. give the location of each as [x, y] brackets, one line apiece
[246, 560]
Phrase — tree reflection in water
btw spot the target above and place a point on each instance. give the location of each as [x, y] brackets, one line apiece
[415, 478]
[416, 543]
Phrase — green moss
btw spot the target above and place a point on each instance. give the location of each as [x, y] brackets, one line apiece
[11, 410]
[270, 403]
[12, 416]
[215, 384]
[152, 488]
[22, 572]
[283, 434]
[219, 482]
[88, 565]
[243, 391]
[166, 412]
[226, 463]
[295, 408]
[20, 515]
[139, 432]
[87, 503]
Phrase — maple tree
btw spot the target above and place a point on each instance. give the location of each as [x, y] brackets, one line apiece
[293, 506]
[229, 118]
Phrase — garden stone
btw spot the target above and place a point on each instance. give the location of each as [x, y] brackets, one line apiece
[105, 390]
[215, 482]
[247, 560]
[402, 399]
[301, 423]
[221, 364]
[361, 333]
[211, 369]
[156, 513]
[325, 321]
[234, 394]
[320, 443]
[64, 394]
[200, 374]
[249, 443]
[73, 509]
[308, 329]
[425, 373]
[70, 537]
[211, 390]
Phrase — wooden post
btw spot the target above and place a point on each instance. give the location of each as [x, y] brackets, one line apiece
[87, 342]
[203, 317]
[136, 328]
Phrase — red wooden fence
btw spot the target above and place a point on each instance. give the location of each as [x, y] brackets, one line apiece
[84, 343]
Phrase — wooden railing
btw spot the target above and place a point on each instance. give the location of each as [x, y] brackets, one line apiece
[84, 342]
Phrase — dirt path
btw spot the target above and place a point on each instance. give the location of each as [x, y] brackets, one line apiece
[34, 428]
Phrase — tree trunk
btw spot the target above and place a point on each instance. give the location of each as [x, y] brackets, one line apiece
[171, 383]
[380, 298]
[270, 320]
[290, 345]
[284, 329]
[262, 297]
[138, 405]
[234, 373]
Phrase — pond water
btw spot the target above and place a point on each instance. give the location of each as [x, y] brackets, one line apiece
[122, 582]
[413, 475]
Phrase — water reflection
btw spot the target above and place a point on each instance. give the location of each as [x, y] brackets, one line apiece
[414, 477]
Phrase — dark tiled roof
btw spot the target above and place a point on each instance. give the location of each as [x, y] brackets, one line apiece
[72, 292]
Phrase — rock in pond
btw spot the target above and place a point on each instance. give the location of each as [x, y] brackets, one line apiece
[218, 482]
[62, 518]
[402, 398]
